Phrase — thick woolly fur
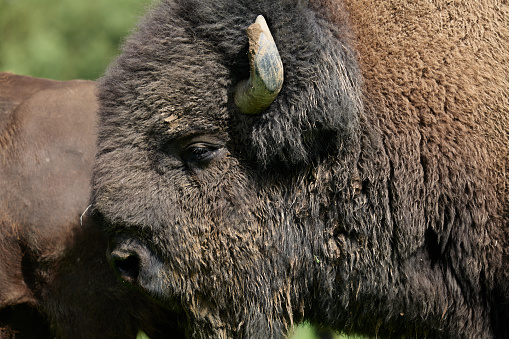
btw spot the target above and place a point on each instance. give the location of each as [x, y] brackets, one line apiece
[370, 197]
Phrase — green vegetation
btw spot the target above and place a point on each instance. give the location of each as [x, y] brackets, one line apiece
[306, 331]
[303, 331]
[64, 40]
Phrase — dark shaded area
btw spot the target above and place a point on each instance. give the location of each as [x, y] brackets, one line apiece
[23, 322]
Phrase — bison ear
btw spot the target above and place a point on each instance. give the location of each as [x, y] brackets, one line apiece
[255, 94]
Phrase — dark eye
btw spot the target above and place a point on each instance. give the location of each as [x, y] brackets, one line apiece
[199, 153]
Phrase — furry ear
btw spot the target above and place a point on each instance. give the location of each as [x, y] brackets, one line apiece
[318, 107]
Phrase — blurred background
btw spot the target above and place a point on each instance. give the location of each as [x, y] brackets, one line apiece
[64, 39]
[75, 39]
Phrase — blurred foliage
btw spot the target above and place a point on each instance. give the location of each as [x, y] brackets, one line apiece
[306, 331]
[64, 39]
[303, 331]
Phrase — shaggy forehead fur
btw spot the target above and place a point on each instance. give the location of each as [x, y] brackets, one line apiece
[187, 57]
[369, 203]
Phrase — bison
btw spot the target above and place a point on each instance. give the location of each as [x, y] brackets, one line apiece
[54, 277]
[337, 161]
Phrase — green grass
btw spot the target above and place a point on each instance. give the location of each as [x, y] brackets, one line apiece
[303, 331]
[142, 335]
[306, 331]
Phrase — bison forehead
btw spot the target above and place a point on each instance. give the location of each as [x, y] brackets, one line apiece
[186, 59]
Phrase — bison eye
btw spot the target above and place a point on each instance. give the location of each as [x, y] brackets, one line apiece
[199, 153]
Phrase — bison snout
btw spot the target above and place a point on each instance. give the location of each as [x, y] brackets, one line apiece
[136, 264]
[126, 265]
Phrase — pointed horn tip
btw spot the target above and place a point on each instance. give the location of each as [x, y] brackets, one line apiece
[260, 20]
[255, 31]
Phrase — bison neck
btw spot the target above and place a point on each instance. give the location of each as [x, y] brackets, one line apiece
[426, 225]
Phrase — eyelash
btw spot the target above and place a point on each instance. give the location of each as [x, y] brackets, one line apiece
[199, 153]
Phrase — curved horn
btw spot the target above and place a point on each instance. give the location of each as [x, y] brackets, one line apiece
[255, 94]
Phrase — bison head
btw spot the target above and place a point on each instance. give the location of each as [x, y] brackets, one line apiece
[207, 204]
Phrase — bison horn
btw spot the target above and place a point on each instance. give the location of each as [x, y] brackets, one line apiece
[255, 94]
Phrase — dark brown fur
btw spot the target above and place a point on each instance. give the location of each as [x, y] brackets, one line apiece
[370, 197]
[437, 79]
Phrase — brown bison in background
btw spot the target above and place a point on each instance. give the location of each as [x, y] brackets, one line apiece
[370, 194]
[53, 271]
